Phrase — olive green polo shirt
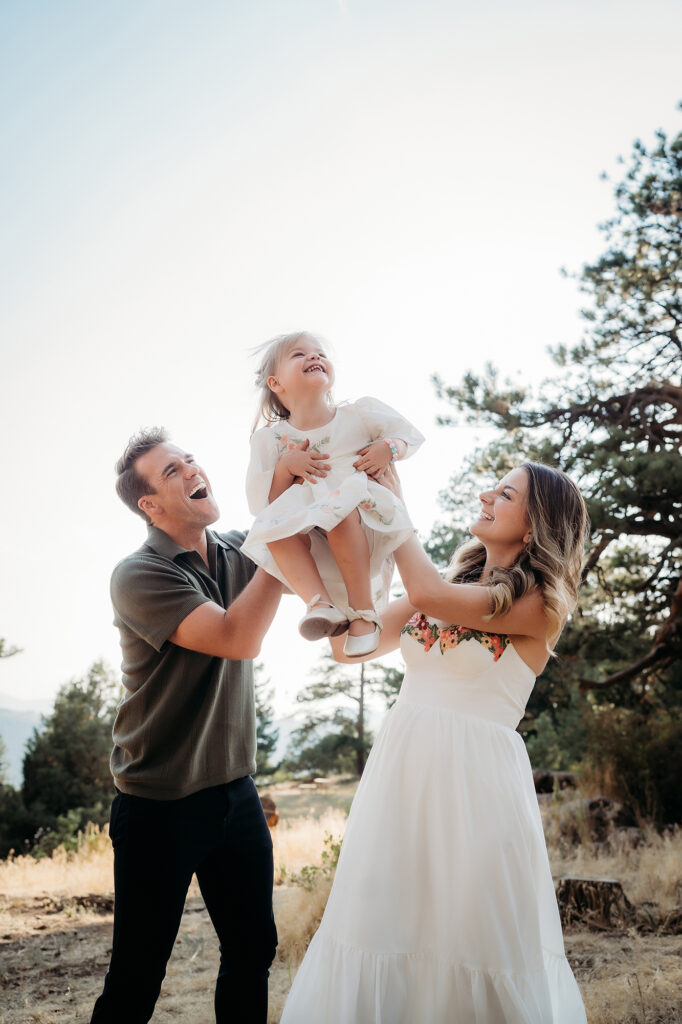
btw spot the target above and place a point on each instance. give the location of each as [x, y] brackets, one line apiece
[187, 720]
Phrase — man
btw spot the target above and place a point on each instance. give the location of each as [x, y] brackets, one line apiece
[192, 612]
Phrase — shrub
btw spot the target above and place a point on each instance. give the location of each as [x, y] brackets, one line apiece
[634, 757]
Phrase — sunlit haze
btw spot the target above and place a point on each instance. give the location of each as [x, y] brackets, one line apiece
[179, 182]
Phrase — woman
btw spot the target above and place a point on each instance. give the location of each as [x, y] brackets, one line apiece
[443, 906]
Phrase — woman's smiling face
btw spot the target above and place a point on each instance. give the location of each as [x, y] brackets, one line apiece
[503, 519]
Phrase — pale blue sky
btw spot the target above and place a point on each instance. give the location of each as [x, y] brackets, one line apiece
[179, 182]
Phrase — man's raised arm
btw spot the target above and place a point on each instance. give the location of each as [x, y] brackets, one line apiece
[236, 632]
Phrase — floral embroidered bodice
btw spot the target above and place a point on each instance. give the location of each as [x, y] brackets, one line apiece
[463, 670]
[428, 633]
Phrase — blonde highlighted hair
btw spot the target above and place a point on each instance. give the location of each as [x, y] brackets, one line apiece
[552, 559]
[273, 352]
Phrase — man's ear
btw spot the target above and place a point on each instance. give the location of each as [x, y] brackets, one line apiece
[147, 505]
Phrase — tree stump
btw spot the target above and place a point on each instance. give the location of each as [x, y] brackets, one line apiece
[598, 903]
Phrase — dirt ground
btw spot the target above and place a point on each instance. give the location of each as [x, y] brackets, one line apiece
[54, 954]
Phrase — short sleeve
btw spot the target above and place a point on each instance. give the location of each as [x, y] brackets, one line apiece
[261, 468]
[247, 567]
[151, 597]
[383, 421]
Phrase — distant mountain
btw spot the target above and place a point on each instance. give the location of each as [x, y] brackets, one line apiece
[288, 725]
[16, 727]
[18, 704]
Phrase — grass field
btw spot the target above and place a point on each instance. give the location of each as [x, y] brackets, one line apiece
[55, 926]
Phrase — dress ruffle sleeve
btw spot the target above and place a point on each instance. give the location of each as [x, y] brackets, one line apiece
[383, 421]
[262, 464]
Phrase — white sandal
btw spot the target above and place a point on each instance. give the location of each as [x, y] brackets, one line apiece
[325, 620]
[356, 646]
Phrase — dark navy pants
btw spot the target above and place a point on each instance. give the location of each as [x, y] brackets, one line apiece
[221, 835]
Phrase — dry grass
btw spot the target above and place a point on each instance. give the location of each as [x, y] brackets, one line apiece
[650, 872]
[89, 870]
[53, 961]
[299, 842]
[628, 978]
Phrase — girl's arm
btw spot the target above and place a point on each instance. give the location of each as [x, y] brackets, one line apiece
[295, 466]
[465, 604]
[375, 458]
[394, 618]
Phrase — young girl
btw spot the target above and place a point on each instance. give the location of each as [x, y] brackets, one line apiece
[324, 526]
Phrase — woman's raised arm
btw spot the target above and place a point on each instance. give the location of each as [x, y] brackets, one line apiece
[465, 604]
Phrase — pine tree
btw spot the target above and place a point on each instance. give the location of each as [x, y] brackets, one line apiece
[267, 736]
[334, 736]
[6, 651]
[67, 761]
[612, 419]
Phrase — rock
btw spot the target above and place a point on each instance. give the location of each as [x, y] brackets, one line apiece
[595, 818]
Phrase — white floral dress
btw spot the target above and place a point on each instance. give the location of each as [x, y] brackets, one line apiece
[316, 508]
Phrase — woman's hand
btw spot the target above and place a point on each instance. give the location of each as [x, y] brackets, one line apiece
[391, 481]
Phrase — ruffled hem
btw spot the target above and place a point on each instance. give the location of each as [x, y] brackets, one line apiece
[341, 984]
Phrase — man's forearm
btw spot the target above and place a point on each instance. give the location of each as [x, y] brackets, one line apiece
[255, 608]
[236, 632]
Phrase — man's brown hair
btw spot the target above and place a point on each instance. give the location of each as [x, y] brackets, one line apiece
[131, 485]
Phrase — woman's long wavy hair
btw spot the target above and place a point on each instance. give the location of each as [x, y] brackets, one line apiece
[551, 560]
[271, 409]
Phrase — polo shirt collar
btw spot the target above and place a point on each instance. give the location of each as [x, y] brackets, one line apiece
[163, 545]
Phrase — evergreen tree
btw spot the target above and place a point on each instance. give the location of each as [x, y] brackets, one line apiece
[612, 418]
[334, 736]
[67, 761]
[6, 651]
[267, 735]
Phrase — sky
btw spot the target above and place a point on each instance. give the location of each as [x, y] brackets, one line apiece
[180, 182]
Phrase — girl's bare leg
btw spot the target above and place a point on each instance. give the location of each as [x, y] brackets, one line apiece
[351, 552]
[297, 565]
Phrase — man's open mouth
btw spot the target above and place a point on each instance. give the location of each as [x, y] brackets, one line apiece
[199, 491]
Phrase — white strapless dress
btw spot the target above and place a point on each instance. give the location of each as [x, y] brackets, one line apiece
[443, 906]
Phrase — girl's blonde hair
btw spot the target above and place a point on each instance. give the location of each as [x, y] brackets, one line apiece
[271, 408]
[552, 559]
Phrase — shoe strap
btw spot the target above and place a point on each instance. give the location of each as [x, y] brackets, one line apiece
[316, 600]
[367, 615]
